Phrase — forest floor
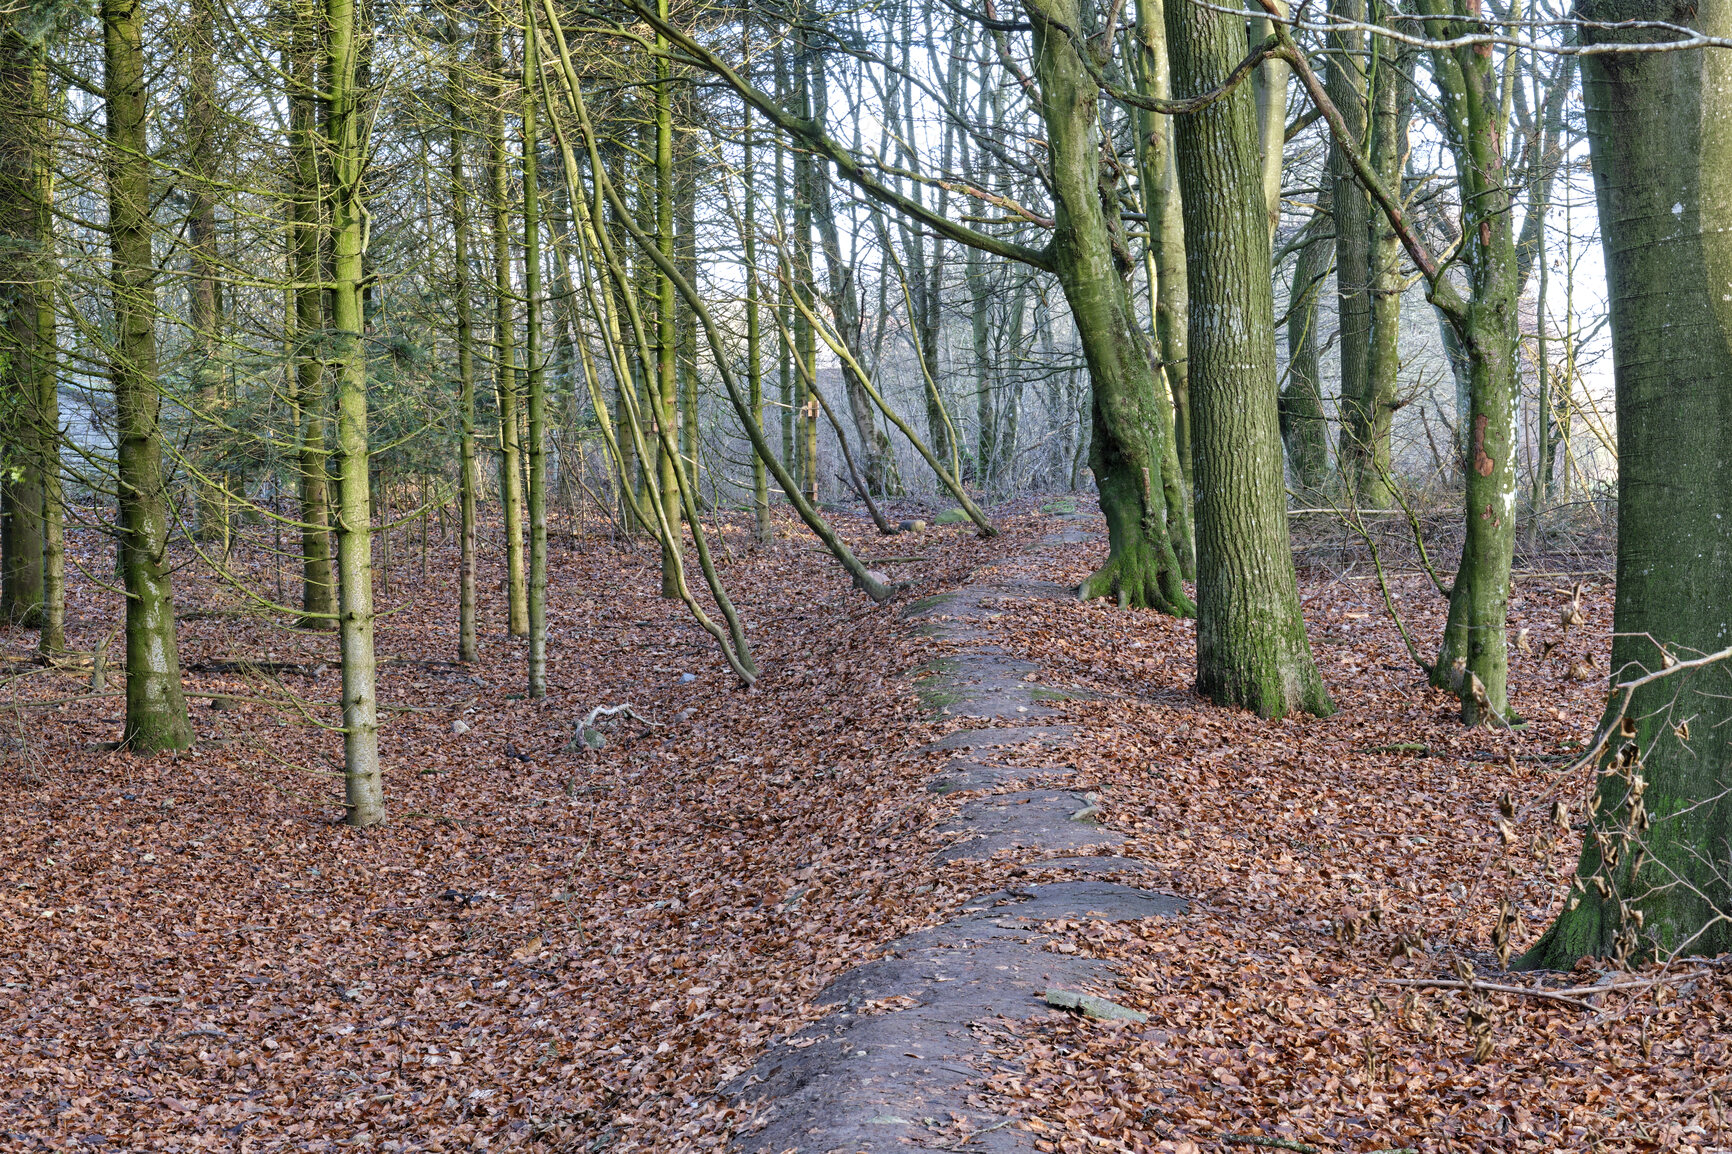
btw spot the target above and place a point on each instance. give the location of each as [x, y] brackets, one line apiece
[579, 949]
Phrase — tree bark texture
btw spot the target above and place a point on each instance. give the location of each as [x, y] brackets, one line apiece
[1660, 131]
[346, 146]
[156, 716]
[1092, 262]
[1251, 644]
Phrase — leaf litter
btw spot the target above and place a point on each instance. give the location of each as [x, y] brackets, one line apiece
[553, 945]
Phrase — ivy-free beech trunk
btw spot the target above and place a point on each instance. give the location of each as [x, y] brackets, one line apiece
[1656, 873]
[346, 121]
[1091, 259]
[1251, 644]
[156, 716]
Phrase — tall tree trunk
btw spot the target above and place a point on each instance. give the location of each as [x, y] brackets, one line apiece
[45, 366]
[878, 460]
[1251, 645]
[156, 716]
[665, 410]
[784, 278]
[505, 339]
[210, 490]
[1655, 875]
[686, 253]
[346, 147]
[980, 333]
[1304, 423]
[28, 438]
[805, 341]
[1372, 419]
[468, 480]
[306, 244]
[1473, 658]
[1165, 263]
[537, 687]
[1092, 262]
[1269, 89]
[1347, 83]
[761, 527]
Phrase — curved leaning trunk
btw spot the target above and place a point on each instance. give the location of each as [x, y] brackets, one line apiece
[1091, 261]
[1655, 875]
[1251, 644]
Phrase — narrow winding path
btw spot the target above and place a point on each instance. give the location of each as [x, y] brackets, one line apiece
[897, 1064]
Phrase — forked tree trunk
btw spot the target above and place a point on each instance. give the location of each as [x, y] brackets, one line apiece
[1660, 129]
[156, 716]
[1251, 644]
[1092, 262]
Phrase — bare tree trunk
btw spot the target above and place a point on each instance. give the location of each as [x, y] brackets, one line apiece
[537, 687]
[346, 147]
[306, 243]
[156, 716]
[1251, 644]
[468, 480]
[505, 340]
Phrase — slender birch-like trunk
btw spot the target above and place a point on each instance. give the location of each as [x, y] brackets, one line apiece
[346, 147]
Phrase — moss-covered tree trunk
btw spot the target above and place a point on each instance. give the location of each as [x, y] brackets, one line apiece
[306, 242]
[346, 147]
[1251, 644]
[26, 437]
[156, 716]
[1163, 206]
[1473, 658]
[45, 365]
[1660, 130]
[1089, 255]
